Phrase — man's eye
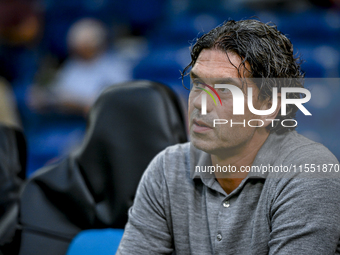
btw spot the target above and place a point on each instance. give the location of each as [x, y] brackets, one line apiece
[198, 85]
[223, 90]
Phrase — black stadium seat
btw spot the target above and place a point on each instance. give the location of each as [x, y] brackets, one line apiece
[94, 186]
[12, 175]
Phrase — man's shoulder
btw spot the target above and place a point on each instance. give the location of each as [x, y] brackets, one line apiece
[178, 150]
[176, 159]
[293, 155]
[293, 140]
[172, 161]
[296, 146]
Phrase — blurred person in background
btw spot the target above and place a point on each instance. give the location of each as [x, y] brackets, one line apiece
[91, 67]
[20, 31]
[21, 28]
[8, 105]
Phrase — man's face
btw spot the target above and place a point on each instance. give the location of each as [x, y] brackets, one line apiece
[213, 67]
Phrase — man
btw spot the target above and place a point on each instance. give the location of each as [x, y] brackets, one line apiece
[183, 208]
[85, 74]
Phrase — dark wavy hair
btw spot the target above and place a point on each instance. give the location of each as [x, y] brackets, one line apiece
[269, 54]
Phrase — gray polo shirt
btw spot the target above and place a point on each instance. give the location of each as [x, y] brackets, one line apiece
[179, 210]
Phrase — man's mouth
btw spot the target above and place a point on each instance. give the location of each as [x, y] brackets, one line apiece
[200, 126]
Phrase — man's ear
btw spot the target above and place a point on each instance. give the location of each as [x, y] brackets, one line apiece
[267, 104]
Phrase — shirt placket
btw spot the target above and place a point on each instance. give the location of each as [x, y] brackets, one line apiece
[224, 216]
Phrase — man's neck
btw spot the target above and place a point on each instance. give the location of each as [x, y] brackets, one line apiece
[230, 179]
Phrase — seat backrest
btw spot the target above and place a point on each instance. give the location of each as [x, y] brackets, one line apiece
[94, 187]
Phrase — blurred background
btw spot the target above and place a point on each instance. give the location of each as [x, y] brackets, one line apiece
[57, 56]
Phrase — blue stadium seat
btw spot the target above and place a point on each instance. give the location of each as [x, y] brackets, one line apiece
[96, 241]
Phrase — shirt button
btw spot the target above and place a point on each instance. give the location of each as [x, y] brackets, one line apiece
[226, 204]
[219, 237]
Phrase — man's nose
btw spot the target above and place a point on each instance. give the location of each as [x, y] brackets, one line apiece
[204, 102]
